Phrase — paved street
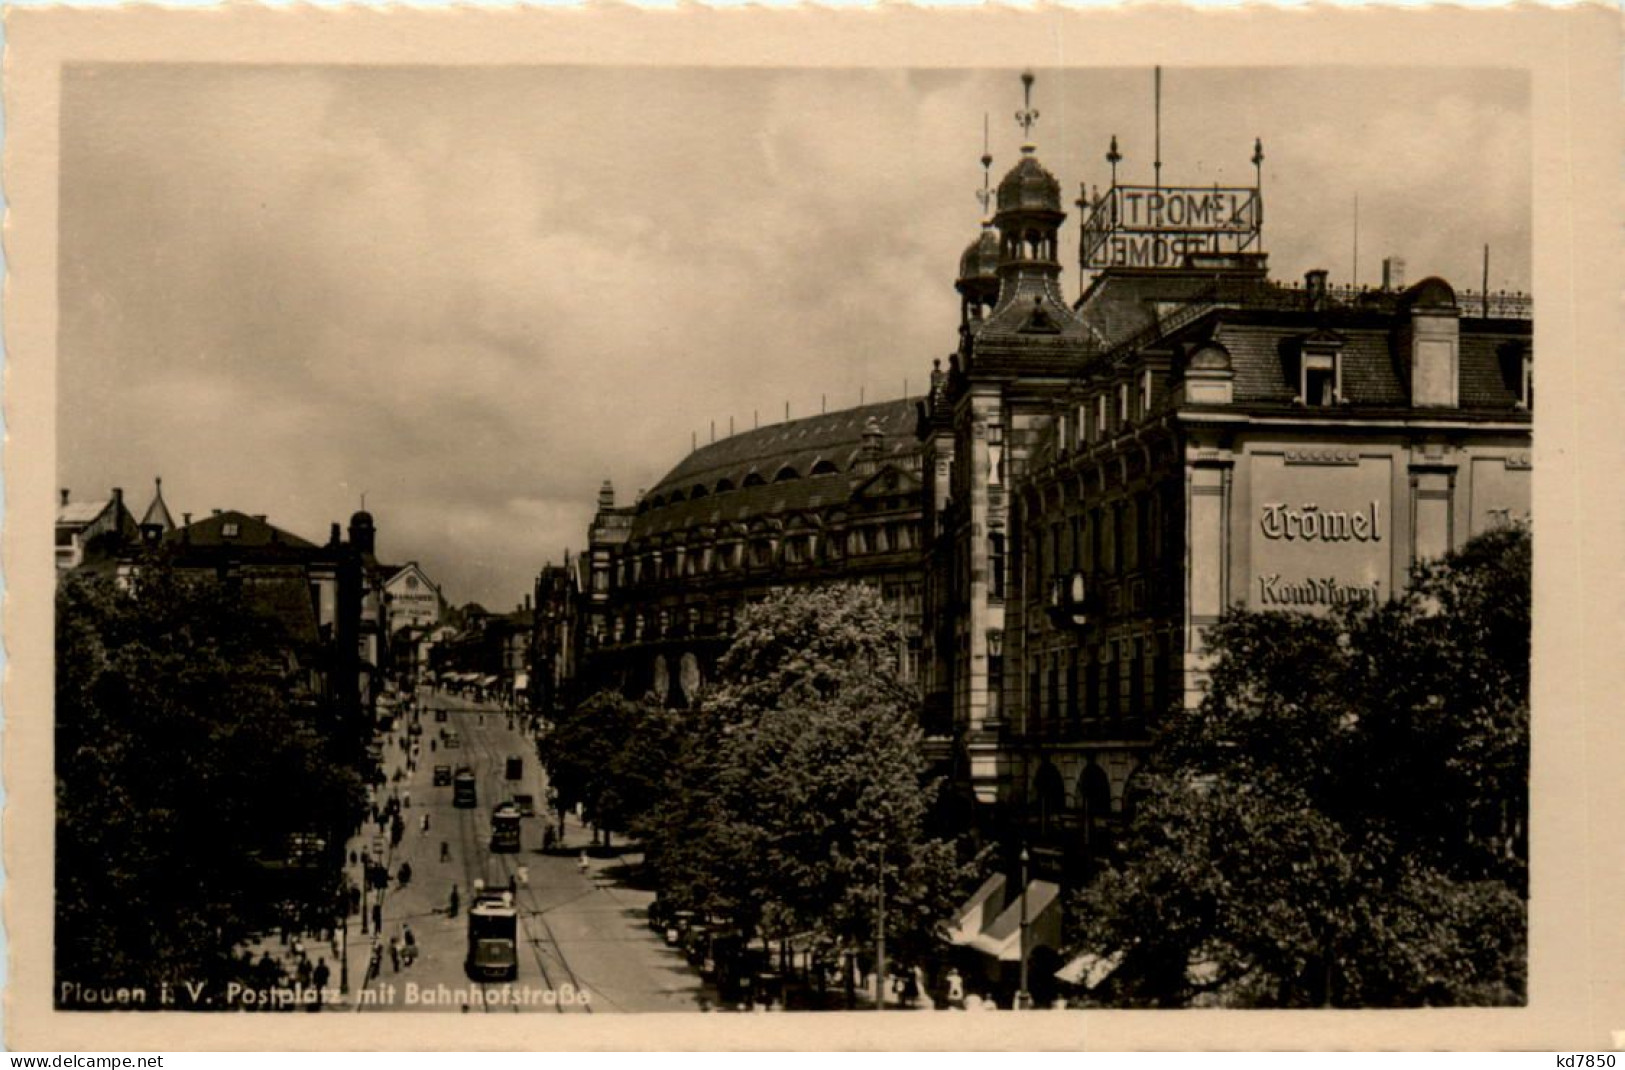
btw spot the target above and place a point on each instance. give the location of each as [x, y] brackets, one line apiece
[579, 932]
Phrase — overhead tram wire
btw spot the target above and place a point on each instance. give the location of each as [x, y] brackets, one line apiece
[533, 912]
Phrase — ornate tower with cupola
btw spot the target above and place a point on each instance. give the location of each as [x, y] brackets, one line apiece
[1020, 346]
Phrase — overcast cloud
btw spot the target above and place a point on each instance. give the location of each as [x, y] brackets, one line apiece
[474, 294]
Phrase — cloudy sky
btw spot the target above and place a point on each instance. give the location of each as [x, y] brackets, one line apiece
[475, 293]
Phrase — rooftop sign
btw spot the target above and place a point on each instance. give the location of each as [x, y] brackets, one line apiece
[1150, 226]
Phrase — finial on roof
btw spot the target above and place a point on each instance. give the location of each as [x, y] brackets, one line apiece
[986, 194]
[1028, 115]
[1113, 157]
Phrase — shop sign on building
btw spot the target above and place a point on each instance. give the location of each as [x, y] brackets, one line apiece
[1320, 537]
[1148, 226]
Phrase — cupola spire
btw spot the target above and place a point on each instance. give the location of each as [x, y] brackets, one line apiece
[1027, 117]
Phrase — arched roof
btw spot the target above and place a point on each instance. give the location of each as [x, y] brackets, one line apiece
[797, 445]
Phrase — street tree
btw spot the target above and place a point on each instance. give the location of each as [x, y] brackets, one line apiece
[199, 789]
[1340, 822]
[609, 754]
[801, 778]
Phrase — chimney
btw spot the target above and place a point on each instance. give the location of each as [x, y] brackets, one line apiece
[606, 495]
[186, 520]
[527, 603]
[260, 517]
[118, 499]
[64, 495]
[1430, 342]
[333, 534]
[214, 512]
[1393, 273]
[1314, 287]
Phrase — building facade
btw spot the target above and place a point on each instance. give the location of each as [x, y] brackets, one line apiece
[824, 499]
[1086, 487]
[1105, 478]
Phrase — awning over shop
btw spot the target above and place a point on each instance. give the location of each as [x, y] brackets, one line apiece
[488, 681]
[1088, 970]
[978, 912]
[1002, 939]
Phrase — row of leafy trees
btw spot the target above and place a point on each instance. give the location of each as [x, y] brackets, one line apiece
[1342, 821]
[190, 763]
[777, 799]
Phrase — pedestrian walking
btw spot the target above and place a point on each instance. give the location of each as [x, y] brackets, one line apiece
[395, 956]
[377, 917]
[375, 962]
[320, 976]
[523, 874]
[424, 824]
[405, 874]
[956, 990]
[445, 851]
[451, 906]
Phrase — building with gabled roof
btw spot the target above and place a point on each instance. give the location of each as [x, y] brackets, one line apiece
[88, 532]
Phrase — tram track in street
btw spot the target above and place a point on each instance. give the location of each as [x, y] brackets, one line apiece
[544, 945]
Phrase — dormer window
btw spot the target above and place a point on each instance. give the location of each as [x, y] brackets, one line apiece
[228, 530]
[1318, 385]
[1320, 370]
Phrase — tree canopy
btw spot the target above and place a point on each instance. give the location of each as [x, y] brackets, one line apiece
[1341, 821]
[194, 779]
[798, 776]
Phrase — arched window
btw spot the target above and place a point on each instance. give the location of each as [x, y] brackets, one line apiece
[1049, 797]
[1095, 795]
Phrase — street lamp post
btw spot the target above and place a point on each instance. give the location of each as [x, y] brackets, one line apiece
[344, 953]
[1024, 999]
[880, 934]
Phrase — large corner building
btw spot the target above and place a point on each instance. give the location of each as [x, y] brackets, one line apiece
[1087, 485]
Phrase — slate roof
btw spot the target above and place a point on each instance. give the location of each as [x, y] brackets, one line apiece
[287, 600]
[81, 513]
[158, 511]
[255, 539]
[800, 445]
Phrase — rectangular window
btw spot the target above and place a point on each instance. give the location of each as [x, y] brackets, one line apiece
[1159, 679]
[1073, 710]
[1136, 681]
[1145, 391]
[1528, 395]
[1034, 709]
[1114, 695]
[1102, 429]
[1319, 386]
[1091, 693]
[995, 563]
[1123, 414]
